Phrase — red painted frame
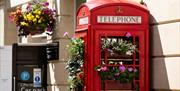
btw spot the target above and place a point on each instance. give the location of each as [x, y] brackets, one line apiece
[92, 31]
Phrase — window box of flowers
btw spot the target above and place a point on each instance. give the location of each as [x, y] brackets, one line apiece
[117, 77]
[36, 19]
[118, 48]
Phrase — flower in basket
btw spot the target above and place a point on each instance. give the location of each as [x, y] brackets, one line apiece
[37, 18]
[119, 73]
[120, 46]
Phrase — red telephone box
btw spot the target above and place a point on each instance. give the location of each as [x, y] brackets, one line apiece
[116, 34]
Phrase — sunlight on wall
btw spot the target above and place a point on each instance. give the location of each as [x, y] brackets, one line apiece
[1, 26]
[54, 88]
[173, 72]
[52, 77]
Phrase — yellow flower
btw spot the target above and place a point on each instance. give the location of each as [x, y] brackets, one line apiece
[24, 24]
[25, 17]
[39, 12]
[30, 17]
[40, 20]
[37, 16]
[35, 12]
[34, 20]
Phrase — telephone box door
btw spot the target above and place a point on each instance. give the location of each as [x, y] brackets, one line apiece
[106, 45]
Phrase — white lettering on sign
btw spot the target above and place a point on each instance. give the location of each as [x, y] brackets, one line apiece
[119, 19]
[28, 87]
[31, 89]
[83, 21]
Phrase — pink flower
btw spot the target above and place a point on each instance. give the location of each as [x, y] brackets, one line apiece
[65, 34]
[10, 18]
[128, 35]
[104, 68]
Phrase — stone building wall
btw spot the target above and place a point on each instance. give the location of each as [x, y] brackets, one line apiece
[165, 44]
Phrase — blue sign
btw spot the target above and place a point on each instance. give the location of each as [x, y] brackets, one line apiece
[25, 75]
[37, 79]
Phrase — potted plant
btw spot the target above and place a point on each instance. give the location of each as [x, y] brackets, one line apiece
[37, 18]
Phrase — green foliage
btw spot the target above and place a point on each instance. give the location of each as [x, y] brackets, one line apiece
[75, 63]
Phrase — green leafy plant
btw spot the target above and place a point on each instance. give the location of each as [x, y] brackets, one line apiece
[75, 62]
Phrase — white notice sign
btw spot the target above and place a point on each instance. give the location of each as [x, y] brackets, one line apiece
[83, 21]
[119, 19]
[37, 77]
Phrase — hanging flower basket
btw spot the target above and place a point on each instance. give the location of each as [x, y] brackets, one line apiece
[36, 19]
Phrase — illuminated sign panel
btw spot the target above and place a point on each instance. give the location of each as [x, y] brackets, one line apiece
[119, 19]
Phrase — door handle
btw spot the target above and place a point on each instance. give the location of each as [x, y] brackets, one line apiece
[14, 83]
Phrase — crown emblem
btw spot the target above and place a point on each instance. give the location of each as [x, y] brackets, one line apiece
[118, 10]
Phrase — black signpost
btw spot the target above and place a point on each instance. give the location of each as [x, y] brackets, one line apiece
[30, 66]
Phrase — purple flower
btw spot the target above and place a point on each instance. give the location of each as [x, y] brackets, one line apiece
[54, 10]
[29, 8]
[46, 11]
[45, 4]
[130, 69]
[49, 29]
[65, 34]
[110, 51]
[128, 35]
[122, 68]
